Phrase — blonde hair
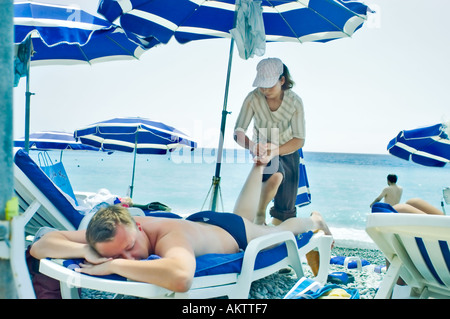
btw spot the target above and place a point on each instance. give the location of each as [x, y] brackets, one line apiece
[103, 224]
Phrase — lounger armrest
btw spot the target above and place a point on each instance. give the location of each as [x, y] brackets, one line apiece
[261, 243]
[269, 241]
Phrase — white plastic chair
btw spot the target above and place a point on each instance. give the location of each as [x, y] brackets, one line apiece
[417, 247]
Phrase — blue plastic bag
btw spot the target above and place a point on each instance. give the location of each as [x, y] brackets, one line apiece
[57, 173]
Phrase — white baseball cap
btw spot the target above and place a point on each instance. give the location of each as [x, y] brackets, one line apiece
[268, 72]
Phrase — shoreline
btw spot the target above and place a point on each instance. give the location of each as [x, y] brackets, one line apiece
[352, 238]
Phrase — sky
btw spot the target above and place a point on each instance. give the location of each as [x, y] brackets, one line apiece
[358, 93]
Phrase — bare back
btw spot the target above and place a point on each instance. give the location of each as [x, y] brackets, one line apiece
[200, 237]
[392, 194]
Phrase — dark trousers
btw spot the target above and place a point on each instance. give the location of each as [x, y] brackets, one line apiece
[284, 200]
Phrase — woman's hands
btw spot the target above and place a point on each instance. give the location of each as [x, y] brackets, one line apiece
[264, 152]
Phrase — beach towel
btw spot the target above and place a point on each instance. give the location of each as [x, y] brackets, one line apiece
[249, 34]
[44, 286]
[21, 59]
[307, 288]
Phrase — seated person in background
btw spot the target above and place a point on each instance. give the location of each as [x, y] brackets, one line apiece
[115, 242]
[391, 194]
[417, 206]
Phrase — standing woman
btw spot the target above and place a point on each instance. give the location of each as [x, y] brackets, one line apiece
[278, 134]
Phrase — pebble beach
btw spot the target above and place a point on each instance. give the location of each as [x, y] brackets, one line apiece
[367, 281]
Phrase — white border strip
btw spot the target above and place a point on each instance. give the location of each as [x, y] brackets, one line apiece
[57, 23]
[414, 151]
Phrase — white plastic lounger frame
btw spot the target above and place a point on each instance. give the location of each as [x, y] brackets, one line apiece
[236, 286]
[417, 247]
[36, 211]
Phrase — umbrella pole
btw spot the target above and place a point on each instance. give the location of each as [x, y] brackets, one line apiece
[134, 168]
[27, 106]
[216, 178]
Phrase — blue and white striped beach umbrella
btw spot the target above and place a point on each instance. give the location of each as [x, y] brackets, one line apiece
[68, 35]
[49, 34]
[138, 135]
[53, 140]
[429, 146]
[282, 21]
[104, 45]
[303, 192]
[54, 23]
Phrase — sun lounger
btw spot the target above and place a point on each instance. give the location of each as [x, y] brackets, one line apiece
[216, 275]
[43, 204]
[417, 247]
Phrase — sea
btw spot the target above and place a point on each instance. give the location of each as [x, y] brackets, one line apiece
[342, 185]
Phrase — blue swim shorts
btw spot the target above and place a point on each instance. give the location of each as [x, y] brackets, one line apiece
[231, 223]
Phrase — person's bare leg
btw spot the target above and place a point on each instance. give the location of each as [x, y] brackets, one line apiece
[295, 225]
[248, 199]
[406, 208]
[268, 191]
[424, 206]
[300, 225]
[318, 223]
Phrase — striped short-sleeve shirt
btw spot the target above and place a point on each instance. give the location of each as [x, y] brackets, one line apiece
[277, 127]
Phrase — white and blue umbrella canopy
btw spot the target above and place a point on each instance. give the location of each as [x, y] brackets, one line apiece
[68, 35]
[54, 23]
[428, 146]
[188, 20]
[104, 45]
[138, 135]
[134, 134]
[303, 193]
[53, 34]
[53, 140]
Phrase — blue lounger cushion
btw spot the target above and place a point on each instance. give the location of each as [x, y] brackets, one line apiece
[383, 208]
[213, 264]
[217, 264]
